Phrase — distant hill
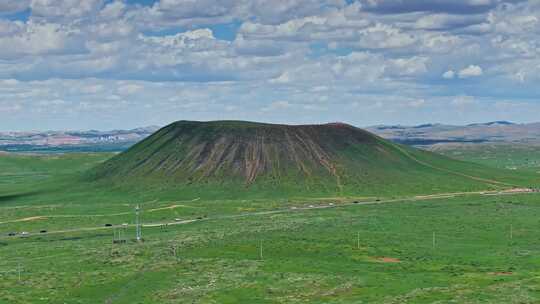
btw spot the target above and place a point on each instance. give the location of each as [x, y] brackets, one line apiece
[424, 135]
[431, 134]
[234, 158]
[493, 123]
[72, 141]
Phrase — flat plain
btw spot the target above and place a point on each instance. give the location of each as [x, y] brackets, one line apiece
[426, 246]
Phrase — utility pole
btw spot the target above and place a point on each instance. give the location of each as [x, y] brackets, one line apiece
[137, 224]
[358, 240]
[261, 250]
[19, 271]
[433, 239]
[511, 232]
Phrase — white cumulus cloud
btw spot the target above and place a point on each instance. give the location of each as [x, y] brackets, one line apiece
[471, 71]
[449, 74]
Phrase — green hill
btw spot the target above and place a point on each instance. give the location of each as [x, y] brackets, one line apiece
[235, 159]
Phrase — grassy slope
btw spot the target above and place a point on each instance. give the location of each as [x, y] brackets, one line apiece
[51, 185]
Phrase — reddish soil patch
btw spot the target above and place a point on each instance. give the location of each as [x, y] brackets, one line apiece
[387, 260]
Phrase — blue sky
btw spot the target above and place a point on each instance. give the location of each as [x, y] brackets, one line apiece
[103, 64]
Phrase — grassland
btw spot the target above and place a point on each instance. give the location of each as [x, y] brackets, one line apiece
[523, 157]
[403, 248]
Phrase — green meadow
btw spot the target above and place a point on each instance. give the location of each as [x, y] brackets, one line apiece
[396, 246]
[517, 156]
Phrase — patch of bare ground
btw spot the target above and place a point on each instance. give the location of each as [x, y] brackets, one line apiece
[386, 260]
[169, 207]
[501, 273]
[26, 219]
